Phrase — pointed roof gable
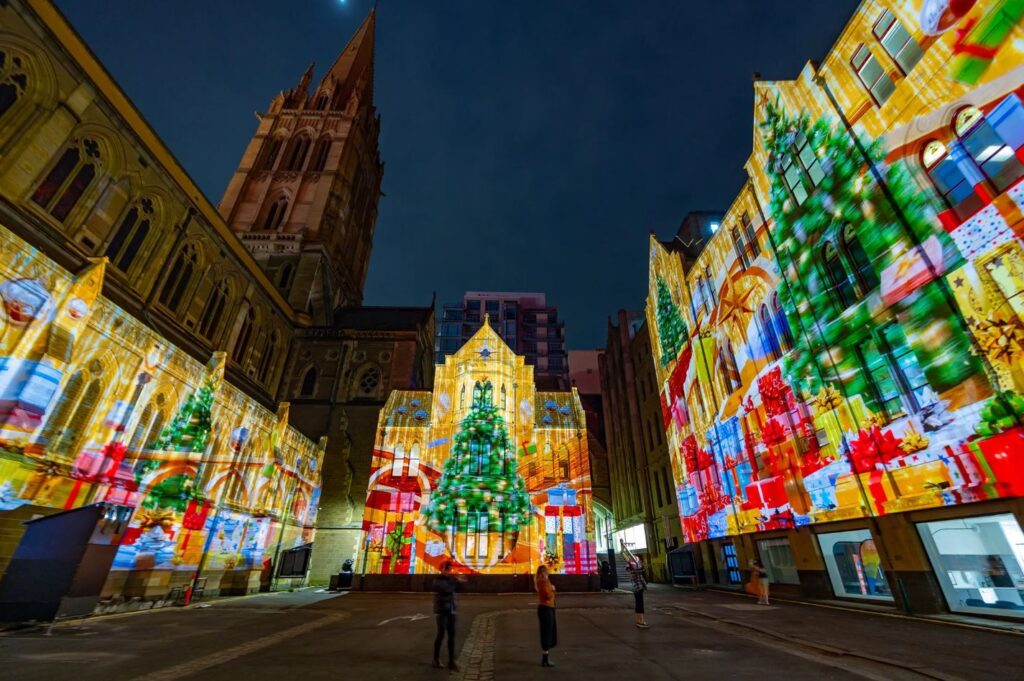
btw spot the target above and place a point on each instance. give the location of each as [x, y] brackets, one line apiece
[486, 339]
[354, 66]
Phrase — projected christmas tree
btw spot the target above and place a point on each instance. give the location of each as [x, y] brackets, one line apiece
[671, 327]
[190, 429]
[480, 489]
[835, 232]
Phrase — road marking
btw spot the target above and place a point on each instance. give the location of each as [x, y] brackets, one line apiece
[222, 656]
[411, 618]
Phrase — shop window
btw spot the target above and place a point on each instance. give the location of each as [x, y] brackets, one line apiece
[732, 563]
[949, 181]
[979, 562]
[990, 152]
[854, 565]
[872, 75]
[897, 41]
[777, 557]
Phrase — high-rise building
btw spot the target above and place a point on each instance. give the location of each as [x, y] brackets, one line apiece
[524, 321]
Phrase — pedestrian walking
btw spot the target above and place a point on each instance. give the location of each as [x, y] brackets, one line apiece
[639, 583]
[546, 614]
[445, 586]
[758, 581]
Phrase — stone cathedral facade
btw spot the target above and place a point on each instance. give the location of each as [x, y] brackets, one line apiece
[207, 370]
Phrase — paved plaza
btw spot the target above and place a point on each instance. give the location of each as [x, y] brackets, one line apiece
[372, 637]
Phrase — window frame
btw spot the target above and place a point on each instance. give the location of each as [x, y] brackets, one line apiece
[858, 69]
[890, 28]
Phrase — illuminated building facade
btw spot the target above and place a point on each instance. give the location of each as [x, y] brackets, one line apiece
[152, 360]
[486, 470]
[840, 367]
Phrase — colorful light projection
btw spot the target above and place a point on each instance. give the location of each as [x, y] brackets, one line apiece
[883, 369]
[94, 406]
[485, 471]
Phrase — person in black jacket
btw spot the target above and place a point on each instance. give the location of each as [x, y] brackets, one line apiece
[444, 611]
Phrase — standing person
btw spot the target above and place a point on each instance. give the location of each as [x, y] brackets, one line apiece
[546, 614]
[759, 581]
[444, 611]
[636, 577]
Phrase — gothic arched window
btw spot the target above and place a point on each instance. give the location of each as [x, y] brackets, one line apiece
[271, 151]
[295, 157]
[782, 324]
[69, 178]
[13, 80]
[67, 428]
[269, 355]
[321, 101]
[320, 152]
[836, 275]
[130, 235]
[741, 250]
[369, 382]
[859, 259]
[771, 340]
[308, 387]
[275, 216]
[952, 186]
[209, 323]
[284, 276]
[244, 335]
[993, 156]
[180, 277]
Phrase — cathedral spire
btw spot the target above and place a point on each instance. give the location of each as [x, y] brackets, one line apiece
[353, 69]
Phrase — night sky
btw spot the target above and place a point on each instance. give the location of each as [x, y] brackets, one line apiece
[528, 145]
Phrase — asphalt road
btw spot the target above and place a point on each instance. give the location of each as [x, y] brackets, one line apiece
[372, 637]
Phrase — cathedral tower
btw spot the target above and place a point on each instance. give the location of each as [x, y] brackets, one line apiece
[304, 197]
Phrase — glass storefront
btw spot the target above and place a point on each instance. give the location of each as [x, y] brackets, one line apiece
[979, 562]
[854, 565]
[777, 557]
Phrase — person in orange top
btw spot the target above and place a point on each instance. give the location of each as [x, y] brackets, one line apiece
[546, 614]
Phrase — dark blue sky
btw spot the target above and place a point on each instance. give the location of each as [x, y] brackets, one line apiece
[529, 145]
